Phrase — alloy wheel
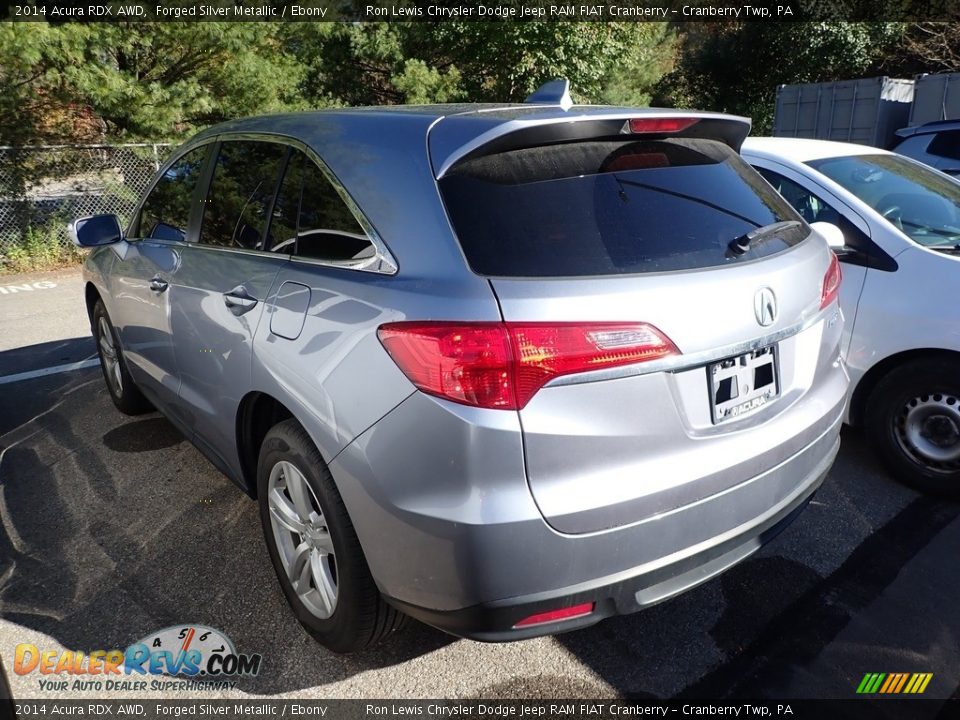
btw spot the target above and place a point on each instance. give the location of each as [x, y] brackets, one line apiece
[110, 356]
[303, 539]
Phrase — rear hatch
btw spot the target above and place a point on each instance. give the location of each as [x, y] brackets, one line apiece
[645, 232]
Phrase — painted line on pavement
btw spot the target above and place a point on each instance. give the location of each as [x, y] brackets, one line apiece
[27, 287]
[56, 369]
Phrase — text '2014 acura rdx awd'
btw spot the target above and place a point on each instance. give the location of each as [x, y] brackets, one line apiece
[506, 369]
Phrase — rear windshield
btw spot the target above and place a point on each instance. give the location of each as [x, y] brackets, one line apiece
[611, 207]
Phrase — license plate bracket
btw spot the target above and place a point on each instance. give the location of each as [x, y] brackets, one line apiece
[744, 383]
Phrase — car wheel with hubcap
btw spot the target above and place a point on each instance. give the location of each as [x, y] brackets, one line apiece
[123, 391]
[913, 420]
[313, 546]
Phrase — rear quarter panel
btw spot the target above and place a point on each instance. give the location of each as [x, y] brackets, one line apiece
[335, 376]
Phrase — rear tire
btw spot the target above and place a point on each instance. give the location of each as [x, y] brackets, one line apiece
[913, 421]
[314, 548]
[123, 391]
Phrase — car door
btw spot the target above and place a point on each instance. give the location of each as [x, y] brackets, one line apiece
[809, 200]
[223, 283]
[145, 272]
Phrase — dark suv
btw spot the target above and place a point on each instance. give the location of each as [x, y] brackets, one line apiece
[937, 144]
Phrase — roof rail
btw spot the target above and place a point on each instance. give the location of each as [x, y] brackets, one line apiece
[555, 92]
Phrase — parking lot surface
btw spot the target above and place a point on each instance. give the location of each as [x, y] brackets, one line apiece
[114, 527]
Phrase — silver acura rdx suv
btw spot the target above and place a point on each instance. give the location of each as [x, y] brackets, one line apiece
[506, 369]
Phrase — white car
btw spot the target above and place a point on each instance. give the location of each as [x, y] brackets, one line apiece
[900, 293]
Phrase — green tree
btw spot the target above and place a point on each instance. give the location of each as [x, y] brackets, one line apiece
[139, 80]
[149, 80]
[376, 63]
[36, 102]
[737, 67]
[925, 47]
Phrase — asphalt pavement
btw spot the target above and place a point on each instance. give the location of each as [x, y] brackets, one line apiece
[114, 527]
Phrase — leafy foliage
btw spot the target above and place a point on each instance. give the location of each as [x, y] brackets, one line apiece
[926, 47]
[163, 80]
[37, 248]
[137, 80]
[737, 67]
[376, 63]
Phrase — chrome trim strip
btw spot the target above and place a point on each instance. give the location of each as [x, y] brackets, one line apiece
[382, 261]
[679, 363]
[236, 250]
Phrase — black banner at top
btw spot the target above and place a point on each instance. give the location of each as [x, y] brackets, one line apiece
[479, 10]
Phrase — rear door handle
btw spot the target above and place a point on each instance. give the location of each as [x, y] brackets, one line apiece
[158, 284]
[239, 301]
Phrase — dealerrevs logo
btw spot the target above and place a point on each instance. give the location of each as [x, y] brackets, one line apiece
[194, 652]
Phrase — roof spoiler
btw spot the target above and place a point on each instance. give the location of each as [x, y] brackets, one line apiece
[555, 92]
[587, 124]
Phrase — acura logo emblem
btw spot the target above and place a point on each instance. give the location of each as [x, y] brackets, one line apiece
[765, 306]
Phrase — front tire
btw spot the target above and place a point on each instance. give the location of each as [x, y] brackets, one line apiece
[314, 548]
[123, 391]
[913, 421]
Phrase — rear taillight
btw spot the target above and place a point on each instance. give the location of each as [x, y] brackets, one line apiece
[503, 365]
[831, 282]
[660, 125]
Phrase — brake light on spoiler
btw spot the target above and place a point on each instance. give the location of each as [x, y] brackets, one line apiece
[659, 125]
[503, 365]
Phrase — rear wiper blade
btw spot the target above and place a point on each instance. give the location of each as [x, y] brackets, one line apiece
[739, 245]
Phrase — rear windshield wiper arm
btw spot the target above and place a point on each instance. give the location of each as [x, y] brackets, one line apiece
[739, 245]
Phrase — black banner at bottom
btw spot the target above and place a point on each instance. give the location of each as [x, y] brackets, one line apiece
[873, 708]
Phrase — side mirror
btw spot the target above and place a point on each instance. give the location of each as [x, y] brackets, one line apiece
[831, 233]
[96, 230]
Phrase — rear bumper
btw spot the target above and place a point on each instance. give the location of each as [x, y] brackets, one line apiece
[495, 621]
[455, 539]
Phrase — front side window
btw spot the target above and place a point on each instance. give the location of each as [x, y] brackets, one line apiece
[241, 191]
[609, 207]
[811, 207]
[165, 214]
[920, 202]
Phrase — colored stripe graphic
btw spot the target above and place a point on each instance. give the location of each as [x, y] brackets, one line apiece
[892, 679]
[894, 683]
[903, 680]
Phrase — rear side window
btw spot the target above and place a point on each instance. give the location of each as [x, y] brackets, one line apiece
[311, 220]
[946, 144]
[610, 207]
[238, 202]
[166, 211]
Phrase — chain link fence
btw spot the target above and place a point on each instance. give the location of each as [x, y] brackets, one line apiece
[42, 187]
